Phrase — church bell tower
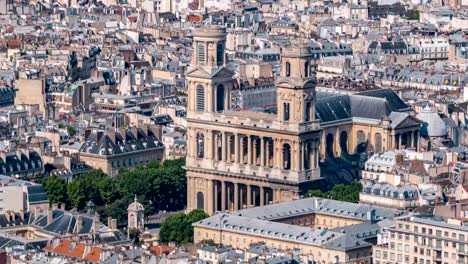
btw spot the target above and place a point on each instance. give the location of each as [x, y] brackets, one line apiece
[209, 82]
[296, 87]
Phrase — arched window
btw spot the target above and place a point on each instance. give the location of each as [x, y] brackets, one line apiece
[286, 157]
[306, 69]
[220, 53]
[288, 69]
[201, 54]
[200, 201]
[200, 145]
[220, 98]
[378, 142]
[200, 98]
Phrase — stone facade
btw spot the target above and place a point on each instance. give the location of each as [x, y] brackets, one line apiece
[243, 159]
[238, 159]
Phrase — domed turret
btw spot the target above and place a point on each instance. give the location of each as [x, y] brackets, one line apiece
[433, 125]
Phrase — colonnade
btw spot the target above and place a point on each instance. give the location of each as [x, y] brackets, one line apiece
[256, 150]
[408, 139]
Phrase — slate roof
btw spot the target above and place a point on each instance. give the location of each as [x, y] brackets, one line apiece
[18, 163]
[369, 105]
[283, 232]
[125, 142]
[36, 194]
[316, 205]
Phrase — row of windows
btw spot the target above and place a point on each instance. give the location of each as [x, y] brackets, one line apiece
[200, 97]
[430, 231]
[219, 54]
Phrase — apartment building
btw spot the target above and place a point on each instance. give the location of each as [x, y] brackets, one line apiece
[21, 196]
[423, 240]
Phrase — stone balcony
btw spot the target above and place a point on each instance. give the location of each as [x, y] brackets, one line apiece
[248, 170]
[257, 120]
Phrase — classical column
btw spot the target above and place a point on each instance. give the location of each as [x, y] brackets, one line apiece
[208, 137]
[249, 196]
[254, 152]
[249, 149]
[228, 197]
[223, 147]
[262, 151]
[278, 195]
[397, 141]
[223, 196]
[214, 145]
[254, 197]
[210, 197]
[262, 196]
[190, 196]
[241, 193]
[215, 187]
[241, 149]
[416, 140]
[267, 151]
[236, 196]
[236, 148]
[277, 154]
[409, 137]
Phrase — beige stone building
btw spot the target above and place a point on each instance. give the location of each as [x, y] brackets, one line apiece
[324, 231]
[417, 239]
[111, 151]
[238, 159]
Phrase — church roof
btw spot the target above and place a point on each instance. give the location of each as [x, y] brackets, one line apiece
[368, 105]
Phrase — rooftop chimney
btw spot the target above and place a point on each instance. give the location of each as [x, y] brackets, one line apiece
[21, 214]
[79, 223]
[7, 216]
[50, 216]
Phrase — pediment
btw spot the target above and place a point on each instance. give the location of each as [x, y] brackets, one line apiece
[409, 121]
[198, 72]
[209, 73]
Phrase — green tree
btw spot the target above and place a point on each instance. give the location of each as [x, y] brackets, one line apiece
[86, 188]
[413, 14]
[340, 192]
[56, 189]
[76, 195]
[71, 131]
[178, 228]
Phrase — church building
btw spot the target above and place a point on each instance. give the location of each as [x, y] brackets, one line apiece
[241, 159]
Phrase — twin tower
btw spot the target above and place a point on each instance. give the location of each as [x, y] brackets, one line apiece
[242, 159]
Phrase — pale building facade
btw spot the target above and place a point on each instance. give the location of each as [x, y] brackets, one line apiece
[415, 239]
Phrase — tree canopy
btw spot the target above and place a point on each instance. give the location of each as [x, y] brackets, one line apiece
[157, 186]
[341, 192]
[178, 228]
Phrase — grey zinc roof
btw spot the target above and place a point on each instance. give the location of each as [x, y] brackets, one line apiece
[36, 194]
[375, 104]
[280, 231]
[316, 205]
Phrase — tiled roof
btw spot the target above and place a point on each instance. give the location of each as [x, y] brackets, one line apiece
[162, 249]
[94, 255]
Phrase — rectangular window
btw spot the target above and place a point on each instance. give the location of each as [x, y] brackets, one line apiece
[200, 99]
[201, 54]
[286, 111]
